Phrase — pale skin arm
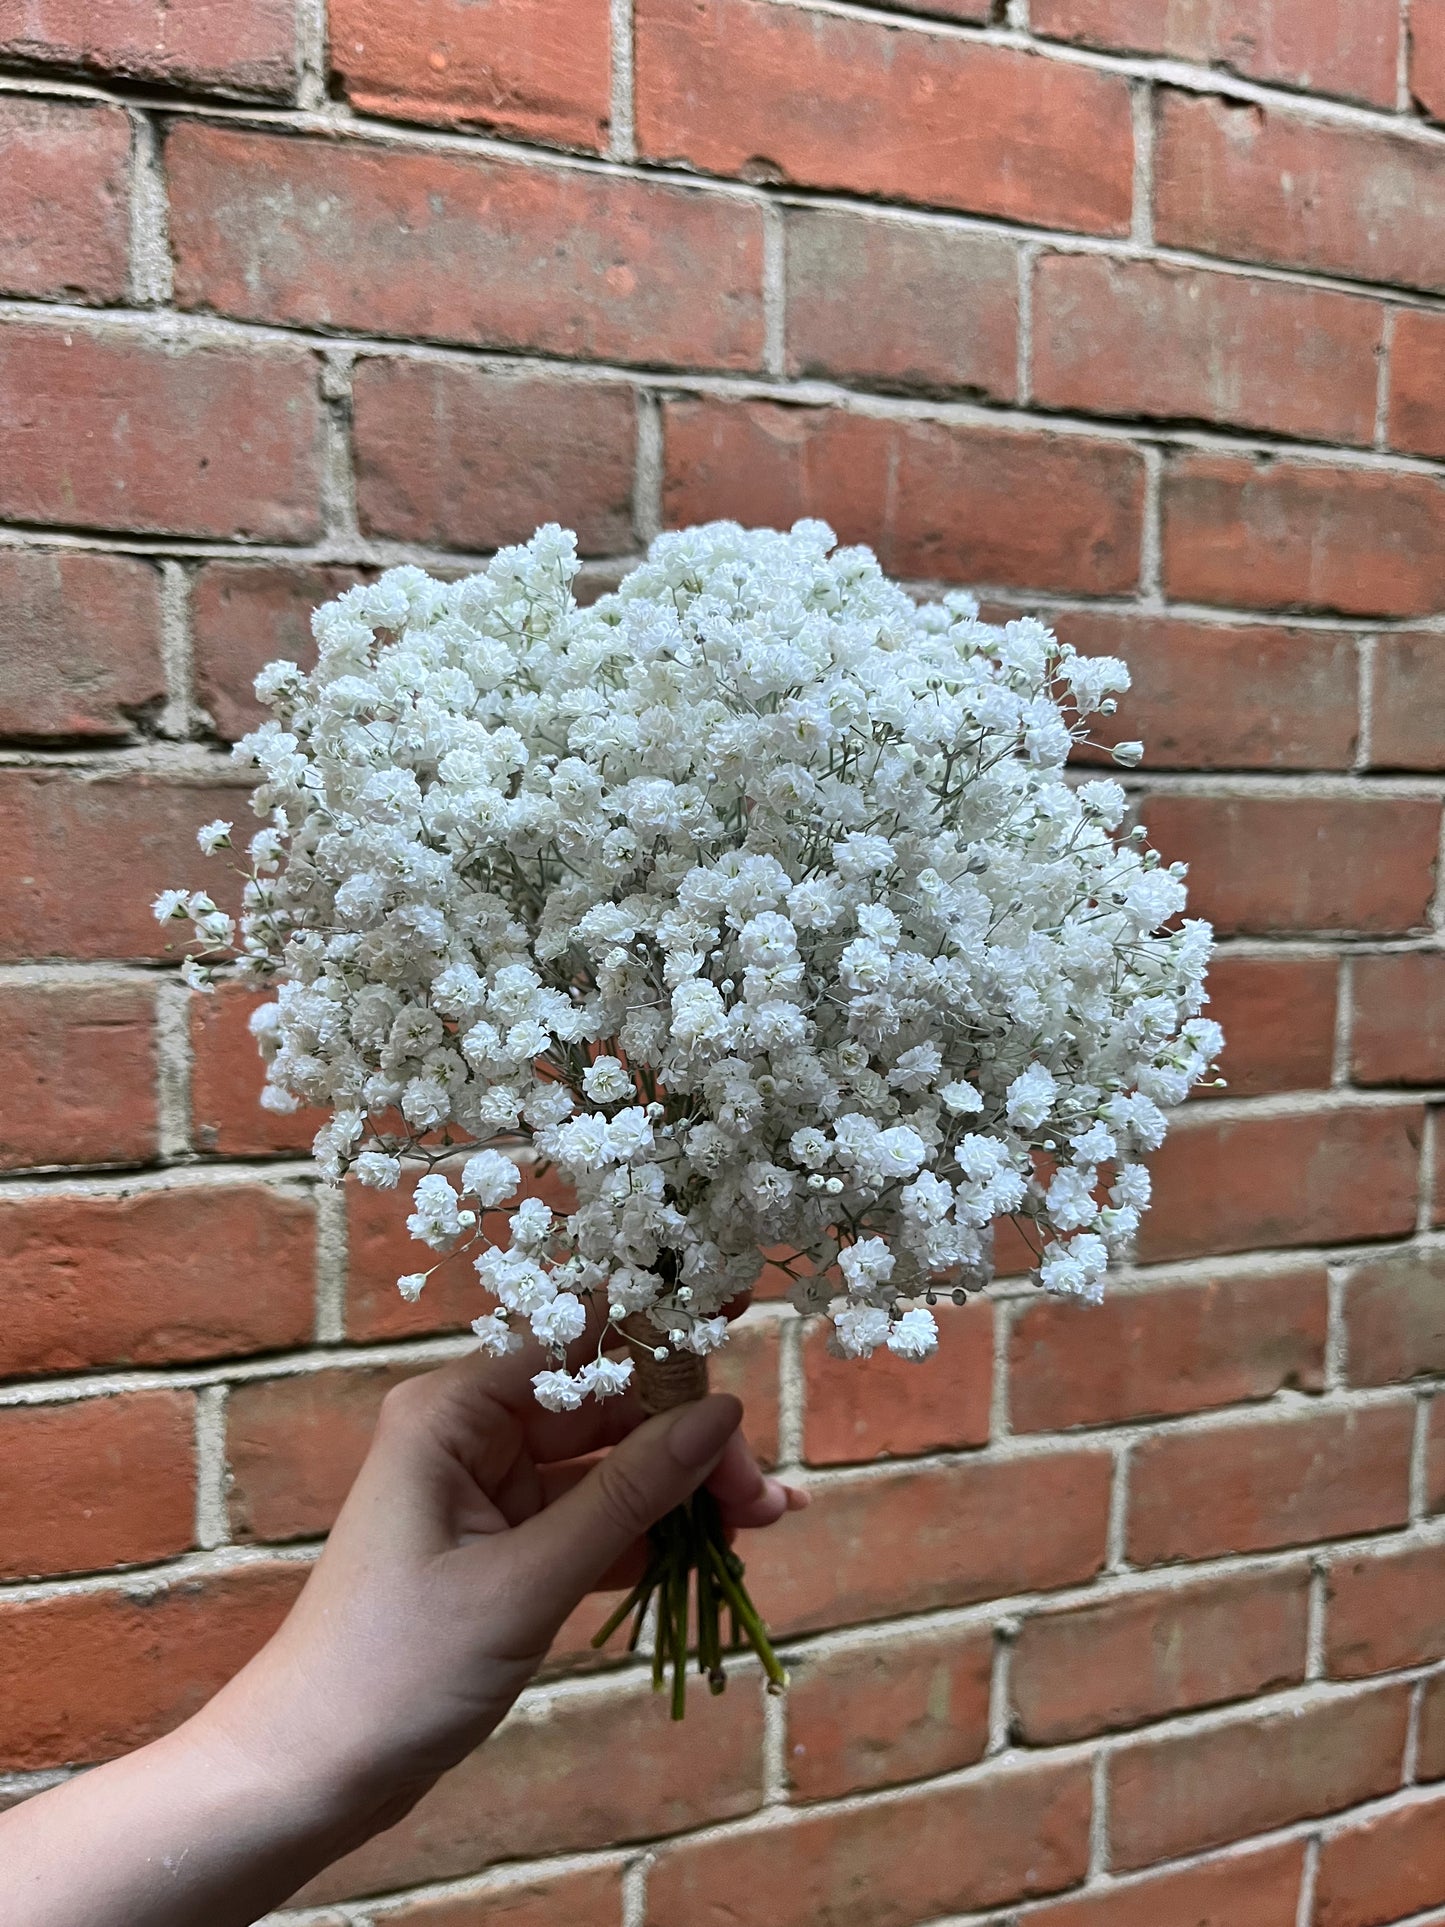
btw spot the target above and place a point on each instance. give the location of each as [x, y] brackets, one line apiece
[471, 1533]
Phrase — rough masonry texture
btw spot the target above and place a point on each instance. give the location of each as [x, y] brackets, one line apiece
[1127, 311]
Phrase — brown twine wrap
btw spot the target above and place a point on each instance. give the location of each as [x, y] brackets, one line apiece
[663, 1383]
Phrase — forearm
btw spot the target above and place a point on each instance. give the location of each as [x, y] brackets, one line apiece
[191, 1831]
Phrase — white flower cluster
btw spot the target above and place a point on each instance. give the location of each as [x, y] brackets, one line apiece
[754, 897]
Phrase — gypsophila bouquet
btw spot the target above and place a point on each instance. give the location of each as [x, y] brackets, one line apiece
[755, 898]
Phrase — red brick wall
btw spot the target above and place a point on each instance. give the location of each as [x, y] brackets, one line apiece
[1128, 310]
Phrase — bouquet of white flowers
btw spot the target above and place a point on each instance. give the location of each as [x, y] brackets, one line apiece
[754, 898]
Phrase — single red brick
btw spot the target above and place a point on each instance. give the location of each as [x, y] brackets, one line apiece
[1427, 56]
[88, 852]
[101, 1482]
[1097, 1668]
[1328, 1177]
[1348, 47]
[781, 93]
[184, 43]
[594, 1768]
[86, 1676]
[902, 304]
[1278, 1015]
[1215, 695]
[1395, 1315]
[1431, 1762]
[537, 69]
[467, 459]
[1266, 865]
[1241, 530]
[80, 1074]
[908, 1857]
[80, 639]
[1409, 692]
[588, 1897]
[1253, 183]
[894, 1408]
[110, 430]
[1386, 1611]
[64, 199]
[1243, 1890]
[246, 614]
[1383, 1868]
[1194, 346]
[1159, 1353]
[450, 247]
[153, 1277]
[294, 1445]
[1417, 370]
[1259, 1483]
[936, 500]
[876, 1544]
[1398, 1020]
[1189, 1791]
[226, 1081]
[874, 1715]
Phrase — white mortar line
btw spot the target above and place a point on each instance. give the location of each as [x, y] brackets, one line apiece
[1382, 388]
[622, 131]
[999, 1416]
[1420, 1462]
[1403, 99]
[1315, 1626]
[1344, 1024]
[173, 1070]
[1364, 749]
[1028, 255]
[150, 253]
[312, 53]
[338, 475]
[775, 1749]
[647, 475]
[176, 651]
[1309, 1874]
[1117, 1532]
[1000, 1691]
[1425, 1217]
[213, 1525]
[1336, 1330]
[1142, 100]
[634, 1890]
[775, 291]
[1099, 1816]
[331, 1264]
[1411, 1765]
[792, 1395]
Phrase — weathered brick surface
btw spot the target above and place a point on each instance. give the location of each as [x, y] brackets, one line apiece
[102, 1482]
[542, 72]
[1244, 1775]
[191, 44]
[936, 501]
[81, 643]
[1325, 1177]
[1267, 865]
[1395, 1318]
[1254, 183]
[1417, 369]
[1194, 346]
[1385, 1611]
[64, 200]
[1383, 1868]
[877, 1714]
[1162, 1353]
[131, 1279]
[446, 247]
[1289, 535]
[902, 304]
[80, 1074]
[1279, 1017]
[113, 430]
[1256, 1484]
[1223, 695]
[898, 1408]
[1010, 1836]
[784, 94]
[1397, 1029]
[1236, 1890]
[1097, 1668]
[1348, 47]
[461, 459]
[589, 1897]
[246, 614]
[1427, 56]
[1409, 679]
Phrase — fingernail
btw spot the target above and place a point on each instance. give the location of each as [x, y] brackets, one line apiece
[702, 1430]
[798, 1499]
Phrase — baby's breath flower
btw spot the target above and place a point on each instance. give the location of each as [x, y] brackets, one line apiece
[754, 898]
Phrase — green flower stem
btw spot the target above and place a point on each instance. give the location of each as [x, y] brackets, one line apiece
[690, 1553]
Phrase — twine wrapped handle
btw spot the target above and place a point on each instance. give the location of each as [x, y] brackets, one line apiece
[663, 1383]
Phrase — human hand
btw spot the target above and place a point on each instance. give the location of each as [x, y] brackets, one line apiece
[476, 1525]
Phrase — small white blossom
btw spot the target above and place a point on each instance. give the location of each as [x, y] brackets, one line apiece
[915, 1335]
[490, 1178]
[214, 836]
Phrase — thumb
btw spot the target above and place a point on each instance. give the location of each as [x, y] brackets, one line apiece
[565, 1549]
